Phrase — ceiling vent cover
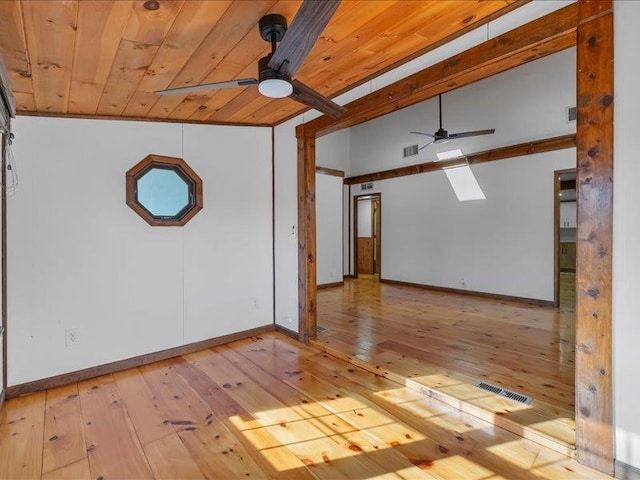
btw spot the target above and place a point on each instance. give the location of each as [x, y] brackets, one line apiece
[410, 151]
[572, 114]
[518, 397]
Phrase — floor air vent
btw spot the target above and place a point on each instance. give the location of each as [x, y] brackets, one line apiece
[320, 329]
[518, 397]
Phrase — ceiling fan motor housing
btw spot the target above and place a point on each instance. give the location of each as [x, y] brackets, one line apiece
[441, 136]
[265, 72]
[272, 24]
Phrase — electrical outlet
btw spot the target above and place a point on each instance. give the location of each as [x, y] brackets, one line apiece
[463, 283]
[255, 304]
[71, 337]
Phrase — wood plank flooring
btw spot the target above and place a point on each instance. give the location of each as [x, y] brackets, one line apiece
[266, 407]
[443, 343]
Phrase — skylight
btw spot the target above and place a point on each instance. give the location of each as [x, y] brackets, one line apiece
[464, 183]
[448, 155]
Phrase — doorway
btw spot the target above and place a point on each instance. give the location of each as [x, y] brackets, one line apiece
[565, 222]
[367, 235]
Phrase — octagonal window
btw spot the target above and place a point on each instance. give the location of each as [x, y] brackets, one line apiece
[164, 191]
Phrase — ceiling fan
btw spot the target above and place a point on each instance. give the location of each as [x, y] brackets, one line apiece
[442, 136]
[276, 69]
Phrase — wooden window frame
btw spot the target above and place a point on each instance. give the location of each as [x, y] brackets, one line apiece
[177, 165]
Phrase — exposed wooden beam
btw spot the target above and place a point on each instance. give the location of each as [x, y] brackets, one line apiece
[511, 151]
[330, 171]
[307, 290]
[594, 409]
[544, 36]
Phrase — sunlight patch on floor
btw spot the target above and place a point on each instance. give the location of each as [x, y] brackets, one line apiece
[349, 429]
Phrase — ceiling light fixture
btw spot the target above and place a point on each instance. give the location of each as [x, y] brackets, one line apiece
[275, 88]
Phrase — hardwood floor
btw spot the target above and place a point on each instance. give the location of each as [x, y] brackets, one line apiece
[443, 343]
[267, 407]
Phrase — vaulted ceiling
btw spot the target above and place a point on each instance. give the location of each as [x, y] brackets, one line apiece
[108, 57]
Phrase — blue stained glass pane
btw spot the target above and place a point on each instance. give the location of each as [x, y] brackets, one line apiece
[163, 192]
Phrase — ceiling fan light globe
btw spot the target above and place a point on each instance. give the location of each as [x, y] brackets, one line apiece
[441, 141]
[275, 88]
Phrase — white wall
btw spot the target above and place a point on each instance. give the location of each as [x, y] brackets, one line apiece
[626, 232]
[522, 104]
[80, 258]
[286, 225]
[501, 245]
[332, 151]
[329, 228]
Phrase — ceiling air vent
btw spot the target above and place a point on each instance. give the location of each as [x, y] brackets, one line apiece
[366, 186]
[409, 151]
[572, 114]
[503, 392]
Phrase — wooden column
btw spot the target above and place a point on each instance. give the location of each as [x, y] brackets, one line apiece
[594, 410]
[307, 282]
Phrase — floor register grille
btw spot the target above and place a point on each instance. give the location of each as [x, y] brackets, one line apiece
[518, 397]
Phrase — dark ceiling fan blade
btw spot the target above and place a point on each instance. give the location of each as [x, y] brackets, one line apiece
[308, 96]
[244, 82]
[311, 19]
[425, 134]
[471, 134]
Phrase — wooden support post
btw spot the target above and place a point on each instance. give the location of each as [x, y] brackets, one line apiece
[307, 288]
[594, 410]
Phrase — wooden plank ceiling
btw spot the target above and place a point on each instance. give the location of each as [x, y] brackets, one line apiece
[107, 57]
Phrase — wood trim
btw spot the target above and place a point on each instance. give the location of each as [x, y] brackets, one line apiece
[80, 116]
[594, 178]
[624, 471]
[495, 296]
[160, 160]
[330, 285]
[307, 315]
[556, 239]
[500, 153]
[349, 274]
[330, 171]
[356, 198]
[3, 250]
[473, 26]
[286, 331]
[107, 368]
[547, 35]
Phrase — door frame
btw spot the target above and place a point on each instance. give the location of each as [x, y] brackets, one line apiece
[556, 232]
[354, 239]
